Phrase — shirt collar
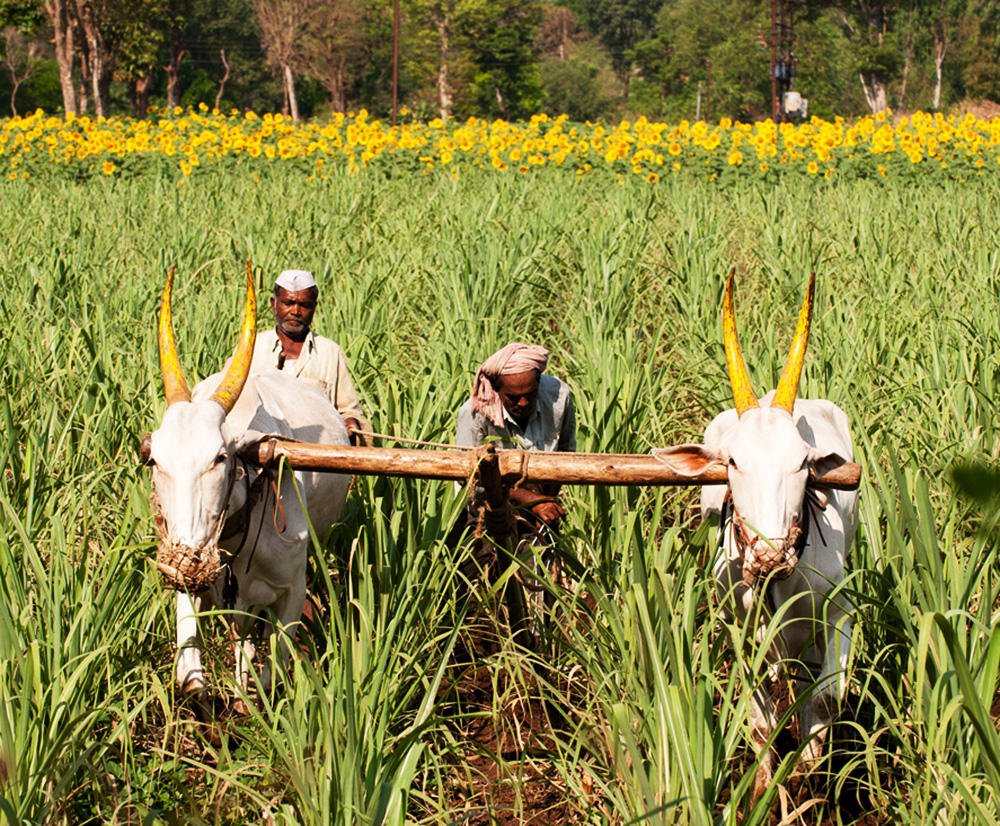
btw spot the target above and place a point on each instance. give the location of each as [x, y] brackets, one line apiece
[534, 412]
[310, 340]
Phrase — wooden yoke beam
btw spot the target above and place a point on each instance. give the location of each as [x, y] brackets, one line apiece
[514, 466]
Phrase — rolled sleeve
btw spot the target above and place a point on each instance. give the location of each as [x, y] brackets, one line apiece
[567, 433]
[468, 433]
[345, 397]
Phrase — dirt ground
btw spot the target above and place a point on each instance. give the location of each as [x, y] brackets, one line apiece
[507, 779]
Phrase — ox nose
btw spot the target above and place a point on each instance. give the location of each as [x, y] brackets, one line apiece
[767, 557]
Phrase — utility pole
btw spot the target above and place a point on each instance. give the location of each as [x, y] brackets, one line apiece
[774, 60]
[395, 59]
[708, 92]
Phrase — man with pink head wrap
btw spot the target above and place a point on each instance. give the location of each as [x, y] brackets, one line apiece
[515, 402]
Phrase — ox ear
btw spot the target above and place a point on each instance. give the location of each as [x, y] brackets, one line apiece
[248, 439]
[823, 463]
[689, 460]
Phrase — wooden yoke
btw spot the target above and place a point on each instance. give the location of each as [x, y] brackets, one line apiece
[513, 466]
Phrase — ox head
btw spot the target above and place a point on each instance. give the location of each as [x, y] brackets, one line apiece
[767, 461]
[193, 455]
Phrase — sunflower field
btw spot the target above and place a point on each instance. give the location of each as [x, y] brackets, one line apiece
[183, 143]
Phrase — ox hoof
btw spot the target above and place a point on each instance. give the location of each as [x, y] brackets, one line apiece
[761, 782]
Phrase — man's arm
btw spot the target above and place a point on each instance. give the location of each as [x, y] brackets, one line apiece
[345, 398]
[567, 432]
[471, 430]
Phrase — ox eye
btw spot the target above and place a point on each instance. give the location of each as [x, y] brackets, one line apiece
[220, 459]
[732, 463]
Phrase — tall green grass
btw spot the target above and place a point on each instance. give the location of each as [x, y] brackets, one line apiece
[643, 690]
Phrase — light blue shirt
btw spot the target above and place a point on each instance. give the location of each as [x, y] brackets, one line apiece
[551, 425]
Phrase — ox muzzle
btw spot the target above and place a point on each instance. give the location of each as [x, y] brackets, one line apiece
[186, 567]
[764, 557]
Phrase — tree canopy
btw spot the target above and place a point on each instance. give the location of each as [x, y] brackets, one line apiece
[590, 59]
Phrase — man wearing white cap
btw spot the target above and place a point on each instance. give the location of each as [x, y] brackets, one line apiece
[291, 346]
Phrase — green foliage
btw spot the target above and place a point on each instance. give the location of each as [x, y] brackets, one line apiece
[620, 25]
[25, 15]
[576, 86]
[697, 43]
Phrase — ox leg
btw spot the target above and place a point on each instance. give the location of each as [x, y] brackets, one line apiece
[287, 614]
[189, 673]
[243, 654]
[817, 713]
[763, 722]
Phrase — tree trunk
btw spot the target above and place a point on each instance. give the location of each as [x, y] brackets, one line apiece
[293, 103]
[444, 96]
[907, 54]
[222, 83]
[173, 69]
[338, 92]
[58, 14]
[138, 94]
[101, 78]
[879, 95]
[940, 44]
[85, 74]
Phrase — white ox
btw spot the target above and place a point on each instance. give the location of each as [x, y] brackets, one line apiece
[779, 536]
[201, 485]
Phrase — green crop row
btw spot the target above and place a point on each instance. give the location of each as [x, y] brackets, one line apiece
[636, 708]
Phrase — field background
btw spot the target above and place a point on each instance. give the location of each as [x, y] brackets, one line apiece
[638, 714]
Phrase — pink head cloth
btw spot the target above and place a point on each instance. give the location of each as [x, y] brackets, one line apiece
[514, 358]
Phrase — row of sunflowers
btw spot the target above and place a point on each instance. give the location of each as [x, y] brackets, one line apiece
[188, 142]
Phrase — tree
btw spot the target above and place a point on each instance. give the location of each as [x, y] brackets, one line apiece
[282, 27]
[60, 16]
[559, 31]
[870, 24]
[475, 56]
[499, 36]
[717, 50]
[578, 85]
[333, 45]
[20, 59]
[980, 30]
[431, 48]
[620, 25]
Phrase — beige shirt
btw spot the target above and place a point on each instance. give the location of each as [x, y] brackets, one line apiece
[321, 363]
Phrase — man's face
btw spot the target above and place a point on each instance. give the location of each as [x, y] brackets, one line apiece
[293, 311]
[518, 392]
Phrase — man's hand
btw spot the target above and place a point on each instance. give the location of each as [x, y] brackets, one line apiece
[547, 508]
[354, 432]
[549, 512]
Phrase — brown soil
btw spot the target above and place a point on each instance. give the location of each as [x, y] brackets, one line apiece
[507, 777]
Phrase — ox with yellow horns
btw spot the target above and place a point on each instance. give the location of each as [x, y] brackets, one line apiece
[230, 538]
[782, 543]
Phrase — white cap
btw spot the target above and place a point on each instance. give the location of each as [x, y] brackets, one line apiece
[295, 281]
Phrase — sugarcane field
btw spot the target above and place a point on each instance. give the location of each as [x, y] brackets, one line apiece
[499, 472]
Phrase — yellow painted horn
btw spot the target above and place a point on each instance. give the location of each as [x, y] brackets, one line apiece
[174, 386]
[784, 397]
[743, 394]
[232, 383]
